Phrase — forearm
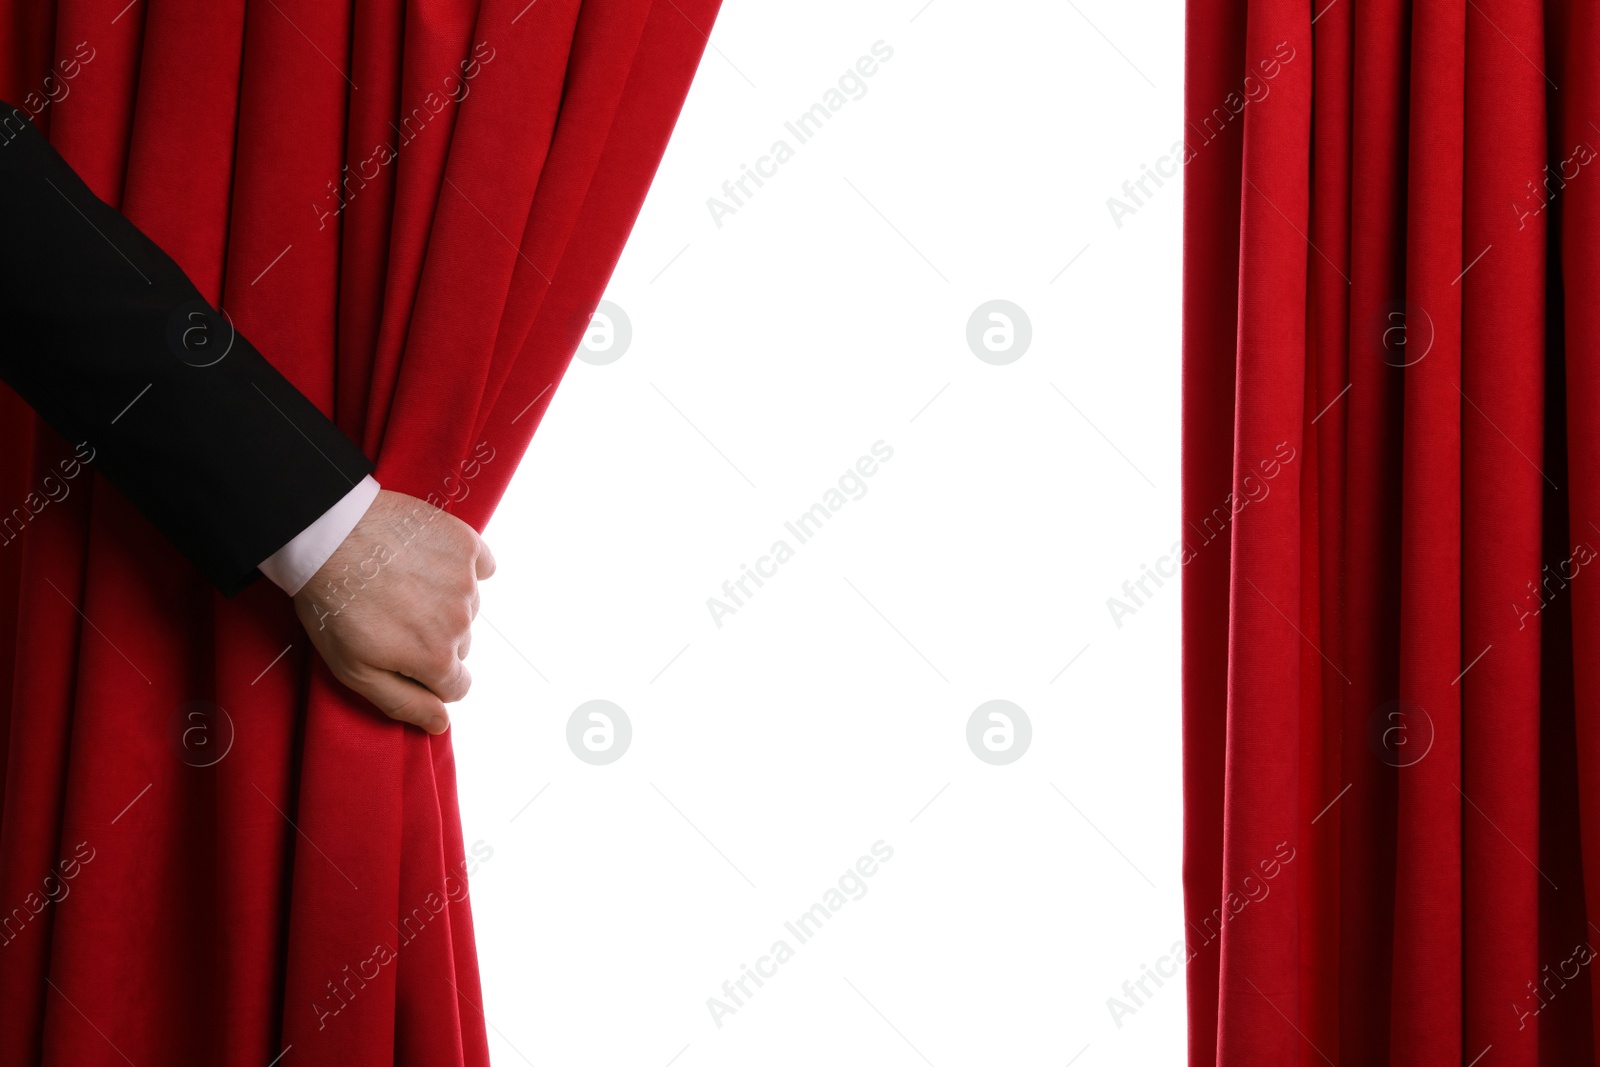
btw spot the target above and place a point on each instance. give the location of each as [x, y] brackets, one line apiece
[112, 345]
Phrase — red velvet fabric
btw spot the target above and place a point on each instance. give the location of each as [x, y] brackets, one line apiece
[1392, 532]
[306, 890]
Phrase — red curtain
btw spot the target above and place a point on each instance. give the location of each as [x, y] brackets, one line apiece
[211, 852]
[1392, 532]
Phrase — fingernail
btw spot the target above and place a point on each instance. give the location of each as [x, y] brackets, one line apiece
[437, 724]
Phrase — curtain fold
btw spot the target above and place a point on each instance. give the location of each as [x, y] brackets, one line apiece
[1392, 523]
[410, 209]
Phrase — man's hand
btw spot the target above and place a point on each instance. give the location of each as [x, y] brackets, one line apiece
[391, 610]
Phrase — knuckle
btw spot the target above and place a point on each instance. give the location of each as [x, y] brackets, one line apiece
[425, 652]
[347, 674]
[462, 537]
[444, 663]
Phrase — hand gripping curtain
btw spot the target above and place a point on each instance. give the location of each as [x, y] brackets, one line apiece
[411, 209]
[1391, 532]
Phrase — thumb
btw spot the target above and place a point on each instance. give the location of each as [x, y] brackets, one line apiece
[401, 698]
[485, 561]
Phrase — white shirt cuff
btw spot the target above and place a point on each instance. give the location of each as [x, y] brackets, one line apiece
[292, 566]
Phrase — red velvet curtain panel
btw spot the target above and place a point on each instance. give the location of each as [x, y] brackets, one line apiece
[1392, 521]
[210, 852]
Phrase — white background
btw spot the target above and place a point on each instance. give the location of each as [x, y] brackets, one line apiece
[829, 712]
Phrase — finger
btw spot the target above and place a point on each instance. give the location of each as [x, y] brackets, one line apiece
[464, 645]
[471, 596]
[445, 674]
[485, 561]
[402, 699]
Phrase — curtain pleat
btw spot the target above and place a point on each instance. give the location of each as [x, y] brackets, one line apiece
[1502, 504]
[1406, 217]
[1426, 993]
[410, 209]
[1210, 316]
[1370, 634]
[1259, 961]
[1572, 34]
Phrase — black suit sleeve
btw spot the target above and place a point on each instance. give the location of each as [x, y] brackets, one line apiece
[107, 339]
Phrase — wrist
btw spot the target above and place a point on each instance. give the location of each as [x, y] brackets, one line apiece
[293, 565]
